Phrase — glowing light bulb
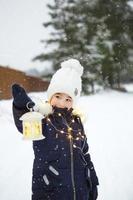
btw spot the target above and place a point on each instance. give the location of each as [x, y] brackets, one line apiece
[61, 131]
[69, 129]
[48, 119]
[69, 136]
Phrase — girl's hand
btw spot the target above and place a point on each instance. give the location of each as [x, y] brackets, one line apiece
[93, 193]
[21, 99]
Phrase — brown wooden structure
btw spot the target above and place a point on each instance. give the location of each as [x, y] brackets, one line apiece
[9, 76]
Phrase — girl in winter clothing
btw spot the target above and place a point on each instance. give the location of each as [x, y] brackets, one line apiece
[62, 168]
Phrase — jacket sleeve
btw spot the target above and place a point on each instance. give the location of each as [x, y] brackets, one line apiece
[90, 169]
[90, 166]
[17, 113]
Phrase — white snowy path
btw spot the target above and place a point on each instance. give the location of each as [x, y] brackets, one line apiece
[110, 136]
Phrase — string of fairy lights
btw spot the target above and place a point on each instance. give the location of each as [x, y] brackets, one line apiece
[77, 137]
[69, 133]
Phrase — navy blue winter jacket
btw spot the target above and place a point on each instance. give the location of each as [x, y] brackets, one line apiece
[62, 168]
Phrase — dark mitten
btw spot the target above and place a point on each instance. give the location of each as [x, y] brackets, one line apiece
[92, 173]
[21, 99]
[93, 193]
[92, 178]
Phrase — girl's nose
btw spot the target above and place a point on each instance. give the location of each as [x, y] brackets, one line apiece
[62, 104]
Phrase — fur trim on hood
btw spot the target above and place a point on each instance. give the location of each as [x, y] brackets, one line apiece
[45, 109]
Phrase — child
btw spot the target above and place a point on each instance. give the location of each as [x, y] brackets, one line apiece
[62, 168]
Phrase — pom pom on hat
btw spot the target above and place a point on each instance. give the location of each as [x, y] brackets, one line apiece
[67, 80]
[73, 64]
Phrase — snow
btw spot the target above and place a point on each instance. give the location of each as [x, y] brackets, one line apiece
[109, 131]
[130, 3]
[129, 87]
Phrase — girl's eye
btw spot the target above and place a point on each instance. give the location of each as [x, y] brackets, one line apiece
[68, 100]
[57, 96]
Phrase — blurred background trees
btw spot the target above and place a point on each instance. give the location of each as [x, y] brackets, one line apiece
[98, 33]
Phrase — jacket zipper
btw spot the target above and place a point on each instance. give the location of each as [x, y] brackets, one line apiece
[72, 165]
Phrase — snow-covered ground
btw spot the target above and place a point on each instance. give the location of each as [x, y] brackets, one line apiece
[110, 136]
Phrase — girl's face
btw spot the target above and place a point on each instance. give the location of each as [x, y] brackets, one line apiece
[61, 100]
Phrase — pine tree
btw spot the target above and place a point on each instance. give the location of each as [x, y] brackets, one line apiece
[118, 18]
[99, 33]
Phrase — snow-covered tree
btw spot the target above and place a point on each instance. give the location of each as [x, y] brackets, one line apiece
[116, 20]
[99, 33]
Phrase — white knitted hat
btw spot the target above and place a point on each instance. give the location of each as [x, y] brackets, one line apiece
[67, 80]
